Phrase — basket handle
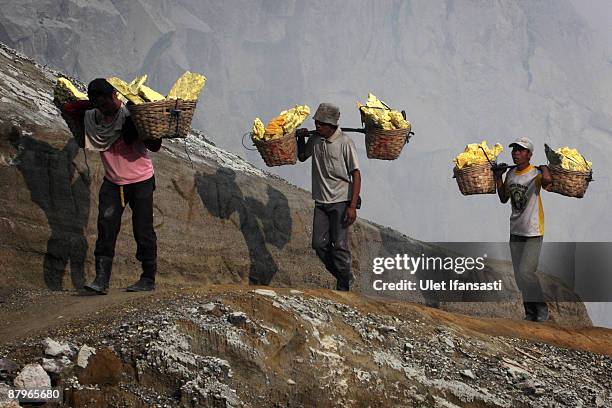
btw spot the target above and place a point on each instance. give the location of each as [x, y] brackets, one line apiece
[485, 153]
[245, 146]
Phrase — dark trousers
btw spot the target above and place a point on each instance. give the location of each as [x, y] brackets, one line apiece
[330, 241]
[525, 253]
[139, 196]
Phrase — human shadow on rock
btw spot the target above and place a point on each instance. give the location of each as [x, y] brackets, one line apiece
[259, 223]
[62, 192]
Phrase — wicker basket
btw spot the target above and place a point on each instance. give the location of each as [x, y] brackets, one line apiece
[385, 144]
[569, 183]
[475, 179]
[167, 119]
[278, 152]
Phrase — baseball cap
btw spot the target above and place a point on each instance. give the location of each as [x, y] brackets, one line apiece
[523, 142]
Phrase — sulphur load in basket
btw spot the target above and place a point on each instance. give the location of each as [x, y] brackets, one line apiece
[285, 123]
[276, 142]
[386, 130]
[188, 88]
[72, 104]
[156, 116]
[568, 158]
[64, 92]
[473, 168]
[477, 153]
[377, 114]
[571, 173]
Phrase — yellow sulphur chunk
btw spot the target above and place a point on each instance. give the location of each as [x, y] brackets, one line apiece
[286, 122]
[398, 120]
[257, 132]
[137, 87]
[294, 117]
[474, 154]
[571, 159]
[149, 94]
[275, 128]
[377, 114]
[124, 89]
[65, 91]
[137, 83]
[187, 87]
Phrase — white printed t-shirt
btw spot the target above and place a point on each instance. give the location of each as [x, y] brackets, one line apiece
[524, 188]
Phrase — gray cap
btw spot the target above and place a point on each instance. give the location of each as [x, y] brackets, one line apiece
[327, 113]
[523, 142]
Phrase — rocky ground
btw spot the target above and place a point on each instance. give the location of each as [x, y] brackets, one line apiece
[232, 346]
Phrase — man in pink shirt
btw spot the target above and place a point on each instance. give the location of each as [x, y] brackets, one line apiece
[128, 180]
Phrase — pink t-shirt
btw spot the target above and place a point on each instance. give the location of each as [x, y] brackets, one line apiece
[127, 164]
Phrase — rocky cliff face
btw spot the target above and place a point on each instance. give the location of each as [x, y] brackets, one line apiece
[218, 218]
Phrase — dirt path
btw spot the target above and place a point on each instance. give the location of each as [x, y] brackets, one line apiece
[40, 311]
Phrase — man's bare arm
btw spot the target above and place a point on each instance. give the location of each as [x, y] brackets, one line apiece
[501, 187]
[546, 177]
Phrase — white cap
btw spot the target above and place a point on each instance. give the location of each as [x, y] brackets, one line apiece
[523, 142]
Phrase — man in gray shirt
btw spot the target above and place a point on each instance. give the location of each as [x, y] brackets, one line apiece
[336, 182]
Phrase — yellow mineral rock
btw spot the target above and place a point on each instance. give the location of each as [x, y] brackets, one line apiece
[126, 90]
[136, 91]
[149, 94]
[187, 87]
[377, 114]
[258, 130]
[294, 117]
[65, 91]
[475, 153]
[286, 122]
[137, 83]
[398, 121]
[571, 159]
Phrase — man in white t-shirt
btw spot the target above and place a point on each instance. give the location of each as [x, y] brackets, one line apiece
[523, 186]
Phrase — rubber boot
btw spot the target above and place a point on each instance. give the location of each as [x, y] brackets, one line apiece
[104, 266]
[147, 278]
[345, 285]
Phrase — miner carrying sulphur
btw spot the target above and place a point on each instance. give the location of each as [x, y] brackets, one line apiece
[101, 122]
